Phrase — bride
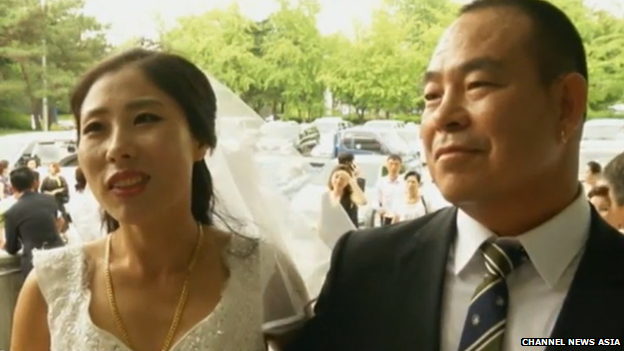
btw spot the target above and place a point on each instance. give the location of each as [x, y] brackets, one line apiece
[189, 264]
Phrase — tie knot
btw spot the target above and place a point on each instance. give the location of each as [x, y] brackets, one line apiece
[503, 256]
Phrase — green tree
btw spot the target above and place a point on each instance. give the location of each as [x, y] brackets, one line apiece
[221, 42]
[70, 40]
[603, 35]
[292, 50]
[379, 71]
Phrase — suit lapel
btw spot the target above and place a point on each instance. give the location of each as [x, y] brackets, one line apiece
[420, 271]
[594, 306]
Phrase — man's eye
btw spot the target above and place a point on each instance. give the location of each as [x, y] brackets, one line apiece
[479, 84]
[431, 96]
[147, 118]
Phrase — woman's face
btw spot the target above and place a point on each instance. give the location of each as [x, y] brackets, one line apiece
[340, 179]
[136, 150]
[602, 205]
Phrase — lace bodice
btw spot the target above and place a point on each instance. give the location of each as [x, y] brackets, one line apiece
[234, 325]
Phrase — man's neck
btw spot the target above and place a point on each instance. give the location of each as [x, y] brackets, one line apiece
[510, 218]
[392, 177]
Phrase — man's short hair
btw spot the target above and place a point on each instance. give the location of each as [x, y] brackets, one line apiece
[558, 45]
[412, 174]
[613, 173]
[345, 158]
[395, 157]
[594, 167]
[22, 179]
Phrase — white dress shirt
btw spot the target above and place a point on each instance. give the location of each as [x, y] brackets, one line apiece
[536, 289]
[389, 192]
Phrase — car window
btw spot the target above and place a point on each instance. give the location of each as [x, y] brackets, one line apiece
[50, 152]
[366, 142]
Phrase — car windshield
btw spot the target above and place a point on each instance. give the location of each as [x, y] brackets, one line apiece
[50, 152]
[603, 132]
[368, 170]
[395, 142]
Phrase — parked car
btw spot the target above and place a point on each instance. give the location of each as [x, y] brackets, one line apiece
[45, 147]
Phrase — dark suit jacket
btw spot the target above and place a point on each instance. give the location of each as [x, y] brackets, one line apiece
[385, 286]
[31, 223]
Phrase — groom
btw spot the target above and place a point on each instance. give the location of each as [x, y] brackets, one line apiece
[522, 254]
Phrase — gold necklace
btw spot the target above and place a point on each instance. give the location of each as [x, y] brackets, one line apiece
[181, 302]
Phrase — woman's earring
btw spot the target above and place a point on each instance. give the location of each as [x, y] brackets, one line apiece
[564, 138]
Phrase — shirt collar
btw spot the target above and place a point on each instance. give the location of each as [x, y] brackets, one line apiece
[551, 246]
[396, 181]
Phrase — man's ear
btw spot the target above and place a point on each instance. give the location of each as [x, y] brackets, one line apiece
[573, 103]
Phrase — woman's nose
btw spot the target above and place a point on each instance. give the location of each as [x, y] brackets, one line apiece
[121, 146]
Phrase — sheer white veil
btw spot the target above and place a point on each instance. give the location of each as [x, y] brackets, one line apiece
[254, 207]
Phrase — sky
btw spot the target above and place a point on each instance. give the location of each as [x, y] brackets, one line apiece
[136, 18]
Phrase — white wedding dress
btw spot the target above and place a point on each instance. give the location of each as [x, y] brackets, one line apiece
[265, 291]
[234, 325]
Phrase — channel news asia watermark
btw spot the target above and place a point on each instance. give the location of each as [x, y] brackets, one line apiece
[569, 342]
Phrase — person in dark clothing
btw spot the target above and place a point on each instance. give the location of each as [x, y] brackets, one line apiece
[56, 185]
[31, 223]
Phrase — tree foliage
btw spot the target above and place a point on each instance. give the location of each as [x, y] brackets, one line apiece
[70, 40]
[282, 65]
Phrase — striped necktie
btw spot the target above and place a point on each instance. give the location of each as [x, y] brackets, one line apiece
[485, 323]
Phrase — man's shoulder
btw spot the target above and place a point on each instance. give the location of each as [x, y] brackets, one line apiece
[383, 243]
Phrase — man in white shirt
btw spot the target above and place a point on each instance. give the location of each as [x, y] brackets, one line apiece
[521, 254]
[614, 177]
[390, 189]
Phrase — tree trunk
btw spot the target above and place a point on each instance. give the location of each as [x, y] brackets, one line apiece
[34, 103]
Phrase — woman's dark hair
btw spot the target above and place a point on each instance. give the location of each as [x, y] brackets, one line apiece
[81, 181]
[190, 88]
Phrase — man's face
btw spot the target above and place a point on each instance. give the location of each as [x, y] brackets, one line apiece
[490, 127]
[394, 166]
